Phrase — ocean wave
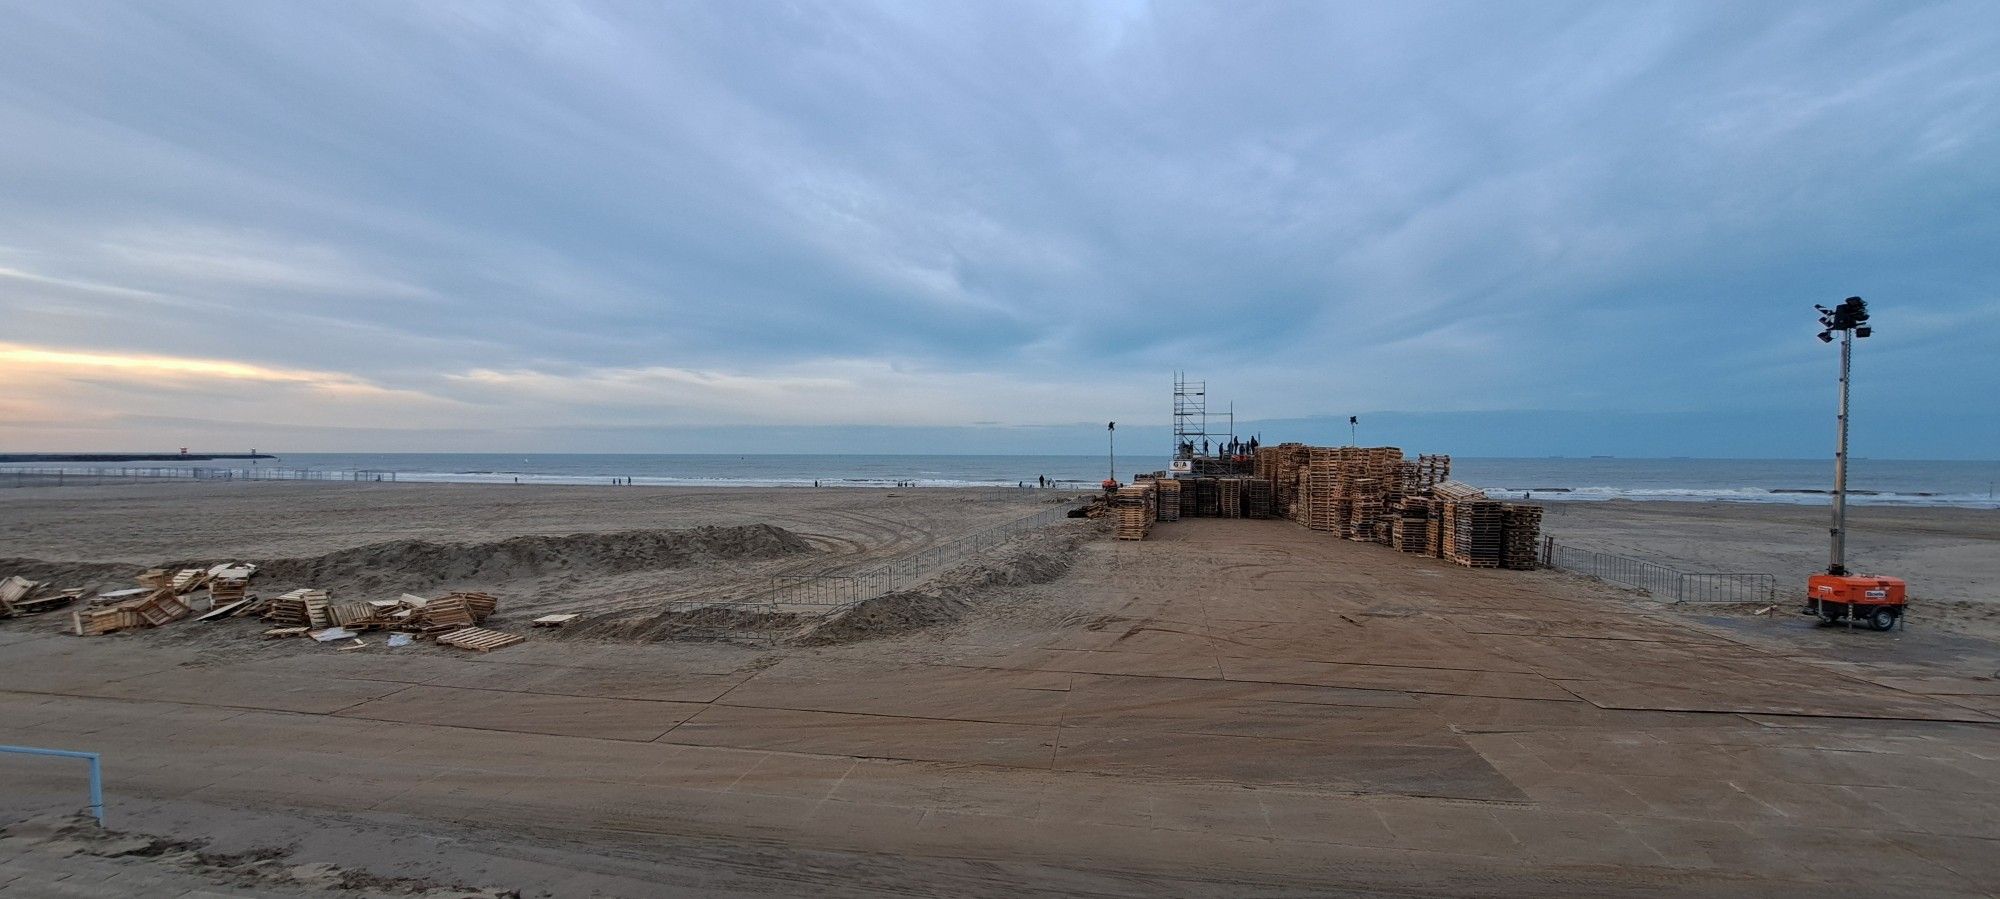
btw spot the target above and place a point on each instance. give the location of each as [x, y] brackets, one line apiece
[1801, 496]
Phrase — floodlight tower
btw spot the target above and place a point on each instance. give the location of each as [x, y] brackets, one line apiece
[1838, 594]
[1849, 318]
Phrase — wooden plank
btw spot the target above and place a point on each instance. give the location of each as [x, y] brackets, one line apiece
[226, 611]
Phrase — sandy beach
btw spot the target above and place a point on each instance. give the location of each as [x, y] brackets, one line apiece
[1949, 556]
[1230, 706]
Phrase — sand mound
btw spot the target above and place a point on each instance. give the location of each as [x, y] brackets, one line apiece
[62, 575]
[700, 623]
[947, 598]
[417, 564]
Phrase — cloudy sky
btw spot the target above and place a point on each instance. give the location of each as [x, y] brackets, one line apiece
[692, 226]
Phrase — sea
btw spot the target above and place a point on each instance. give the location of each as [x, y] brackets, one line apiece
[1805, 481]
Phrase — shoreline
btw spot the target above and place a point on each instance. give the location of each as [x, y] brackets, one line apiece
[1552, 497]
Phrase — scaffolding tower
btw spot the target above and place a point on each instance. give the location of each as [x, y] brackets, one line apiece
[1191, 434]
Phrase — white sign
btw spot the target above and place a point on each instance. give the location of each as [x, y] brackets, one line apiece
[1183, 465]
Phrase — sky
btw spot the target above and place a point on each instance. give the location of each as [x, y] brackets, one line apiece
[1488, 228]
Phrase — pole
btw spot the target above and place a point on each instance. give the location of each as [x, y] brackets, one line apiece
[1111, 430]
[1836, 564]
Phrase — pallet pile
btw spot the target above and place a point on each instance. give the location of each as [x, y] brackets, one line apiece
[1168, 503]
[20, 596]
[124, 611]
[317, 615]
[1133, 505]
[163, 597]
[1520, 534]
[1365, 494]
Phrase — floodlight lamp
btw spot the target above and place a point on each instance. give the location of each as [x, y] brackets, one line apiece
[1863, 331]
[1826, 337]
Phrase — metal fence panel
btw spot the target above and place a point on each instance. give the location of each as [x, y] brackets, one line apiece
[1660, 581]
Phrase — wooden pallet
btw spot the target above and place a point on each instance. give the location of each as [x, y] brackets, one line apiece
[13, 591]
[161, 609]
[104, 620]
[479, 604]
[448, 611]
[479, 639]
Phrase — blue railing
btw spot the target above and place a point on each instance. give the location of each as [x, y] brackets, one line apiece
[96, 773]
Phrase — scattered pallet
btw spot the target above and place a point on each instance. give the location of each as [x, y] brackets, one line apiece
[479, 639]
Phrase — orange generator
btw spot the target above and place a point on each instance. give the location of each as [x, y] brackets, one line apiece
[1857, 598]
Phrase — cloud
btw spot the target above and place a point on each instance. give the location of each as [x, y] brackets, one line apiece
[938, 215]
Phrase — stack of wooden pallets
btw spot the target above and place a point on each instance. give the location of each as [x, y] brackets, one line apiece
[1520, 536]
[1431, 471]
[1364, 506]
[1168, 502]
[1476, 528]
[1229, 497]
[229, 585]
[1410, 530]
[1208, 497]
[1133, 506]
[304, 607]
[1323, 491]
[1257, 498]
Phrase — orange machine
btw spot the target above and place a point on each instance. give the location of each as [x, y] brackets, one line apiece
[1857, 598]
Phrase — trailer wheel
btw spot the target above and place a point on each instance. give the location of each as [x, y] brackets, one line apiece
[1883, 619]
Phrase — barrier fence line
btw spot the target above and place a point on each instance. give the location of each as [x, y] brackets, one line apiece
[96, 773]
[833, 592]
[1659, 580]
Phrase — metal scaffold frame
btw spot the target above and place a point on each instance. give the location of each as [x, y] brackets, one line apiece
[1191, 418]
